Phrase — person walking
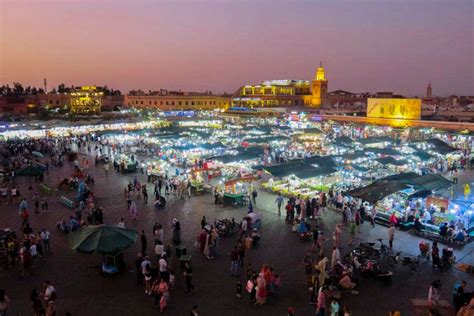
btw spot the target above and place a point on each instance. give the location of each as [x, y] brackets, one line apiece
[44, 205]
[337, 235]
[435, 255]
[133, 210]
[45, 237]
[106, 168]
[143, 242]
[163, 289]
[460, 297]
[254, 196]
[49, 292]
[434, 294]
[335, 257]
[234, 262]
[391, 235]
[334, 308]
[145, 194]
[321, 267]
[290, 213]
[138, 266]
[188, 277]
[352, 233]
[261, 295]
[176, 232]
[321, 304]
[155, 290]
[373, 213]
[4, 303]
[279, 202]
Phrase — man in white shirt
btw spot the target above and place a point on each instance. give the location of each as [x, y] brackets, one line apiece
[144, 264]
[121, 224]
[48, 292]
[45, 236]
[162, 262]
[163, 265]
[159, 249]
[33, 252]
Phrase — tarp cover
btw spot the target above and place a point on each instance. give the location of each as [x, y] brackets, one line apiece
[377, 190]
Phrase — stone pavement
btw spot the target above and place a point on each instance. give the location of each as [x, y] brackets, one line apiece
[81, 291]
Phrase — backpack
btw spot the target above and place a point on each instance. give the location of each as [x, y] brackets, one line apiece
[53, 296]
[25, 214]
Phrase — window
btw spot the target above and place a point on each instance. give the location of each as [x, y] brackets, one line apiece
[141, 102]
[179, 102]
[57, 102]
[192, 102]
[155, 102]
[186, 103]
[172, 102]
[161, 102]
[149, 102]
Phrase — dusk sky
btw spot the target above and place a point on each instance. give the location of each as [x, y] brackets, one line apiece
[219, 45]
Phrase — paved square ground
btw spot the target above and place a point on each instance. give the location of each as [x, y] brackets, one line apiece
[82, 292]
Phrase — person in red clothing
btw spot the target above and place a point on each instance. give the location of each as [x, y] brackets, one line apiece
[393, 219]
[266, 274]
[290, 213]
[321, 305]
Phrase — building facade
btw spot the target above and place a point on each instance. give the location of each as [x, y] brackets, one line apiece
[275, 93]
[86, 100]
[177, 102]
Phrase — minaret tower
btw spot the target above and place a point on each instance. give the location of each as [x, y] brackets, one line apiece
[429, 91]
[319, 87]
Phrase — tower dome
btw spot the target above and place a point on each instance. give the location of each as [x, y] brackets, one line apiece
[320, 76]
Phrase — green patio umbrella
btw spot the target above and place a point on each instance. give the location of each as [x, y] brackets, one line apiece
[30, 171]
[102, 239]
[37, 154]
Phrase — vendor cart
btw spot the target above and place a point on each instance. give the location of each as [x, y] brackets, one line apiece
[129, 168]
[233, 199]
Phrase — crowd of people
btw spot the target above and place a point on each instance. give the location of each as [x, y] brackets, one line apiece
[327, 276]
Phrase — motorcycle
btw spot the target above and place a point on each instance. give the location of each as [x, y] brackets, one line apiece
[226, 227]
[411, 262]
[372, 270]
[369, 247]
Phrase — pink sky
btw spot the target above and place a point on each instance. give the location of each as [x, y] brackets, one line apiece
[220, 45]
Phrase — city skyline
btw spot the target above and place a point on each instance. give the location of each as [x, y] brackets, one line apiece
[222, 45]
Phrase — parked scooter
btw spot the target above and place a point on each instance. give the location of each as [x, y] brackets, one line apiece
[411, 262]
[372, 270]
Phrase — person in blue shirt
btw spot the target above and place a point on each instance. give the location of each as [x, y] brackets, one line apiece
[302, 229]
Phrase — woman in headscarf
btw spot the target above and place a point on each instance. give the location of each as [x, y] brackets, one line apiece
[207, 243]
[202, 240]
[133, 210]
[176, 232]
[261, 294]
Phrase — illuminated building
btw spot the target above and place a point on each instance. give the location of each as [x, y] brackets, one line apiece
[86, 100]
[81, 100]
[403, 109]
[319, 87]
[274, 93]
[181, 101]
